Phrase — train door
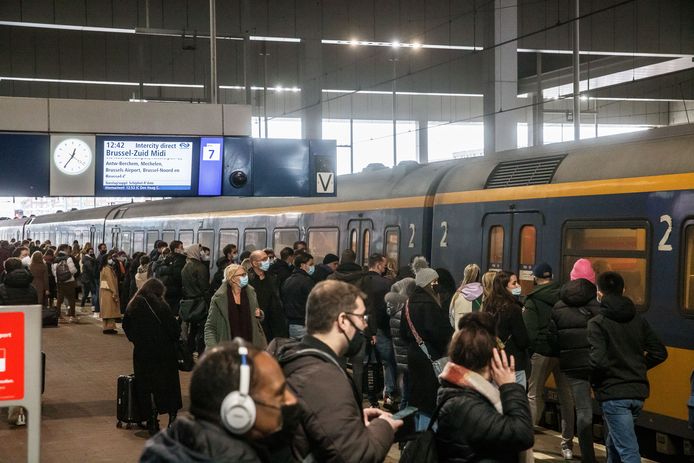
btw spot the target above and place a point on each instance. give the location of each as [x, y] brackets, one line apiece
[510, 241]
[361, 232]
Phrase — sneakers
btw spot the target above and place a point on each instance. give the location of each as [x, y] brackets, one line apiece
[567, 454]
[110, 331]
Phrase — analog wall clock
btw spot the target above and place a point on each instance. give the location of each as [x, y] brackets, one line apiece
[72, 156]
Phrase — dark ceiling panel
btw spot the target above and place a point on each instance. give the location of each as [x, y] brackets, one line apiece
[69, 12]
[10, 10]
[40, 11]
[47, 54]
[22, 53]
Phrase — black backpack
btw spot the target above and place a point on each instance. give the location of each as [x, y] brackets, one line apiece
[423, 448]
[62, 271]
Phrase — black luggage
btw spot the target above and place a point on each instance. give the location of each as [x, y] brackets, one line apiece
[373, 379]
[127, 410]
[49, 316]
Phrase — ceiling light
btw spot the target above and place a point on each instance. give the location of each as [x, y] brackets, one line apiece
[395, 44]
[274, 39]
[584, 98]
[416, 45]
[354, 42]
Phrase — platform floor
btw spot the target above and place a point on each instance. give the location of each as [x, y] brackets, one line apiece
[79, 407]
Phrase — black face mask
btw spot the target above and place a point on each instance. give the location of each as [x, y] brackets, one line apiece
[291, 417]
[355, 344]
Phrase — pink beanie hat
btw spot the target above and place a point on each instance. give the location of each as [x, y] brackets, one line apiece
[583, 269]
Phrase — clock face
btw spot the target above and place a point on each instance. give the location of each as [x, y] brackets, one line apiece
[72, 156]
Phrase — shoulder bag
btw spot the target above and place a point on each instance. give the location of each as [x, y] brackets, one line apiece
[437, 364]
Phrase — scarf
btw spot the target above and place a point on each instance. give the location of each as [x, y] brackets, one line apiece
[462, 377]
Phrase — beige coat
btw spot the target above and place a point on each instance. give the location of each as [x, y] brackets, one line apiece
[108, 294]
[40, 281]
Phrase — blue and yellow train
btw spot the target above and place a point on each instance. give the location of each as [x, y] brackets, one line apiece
[624, 202]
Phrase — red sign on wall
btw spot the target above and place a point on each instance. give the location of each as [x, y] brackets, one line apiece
[11, 356]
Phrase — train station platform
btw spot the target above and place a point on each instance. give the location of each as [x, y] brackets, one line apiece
[79, 403]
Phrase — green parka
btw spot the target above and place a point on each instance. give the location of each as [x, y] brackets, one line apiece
[217, 325]
[537, 315]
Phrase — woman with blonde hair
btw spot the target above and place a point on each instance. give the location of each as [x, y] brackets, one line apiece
[234, 311]
[468, 297]
[487, 282]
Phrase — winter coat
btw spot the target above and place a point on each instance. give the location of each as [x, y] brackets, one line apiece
[395, 304]
[217, 325]
[349, 273]
[282, 271]
[141, 276]
[376, 287]
[52, 285]
[169, 272]
[623, 347]
[190, 440]
[275, 323]
[510, 329]
[322, 273]
[40, 282]
[195, 278]
[70, 265]
[537, 314]
[154, 353]
[222, 263]
[5, 253]
[431, 322]
[89, 273]
[465, 300]
[109, 300]
[569, 327]
[333, 427]
[471, 430]
[295, 294]
[17, 288]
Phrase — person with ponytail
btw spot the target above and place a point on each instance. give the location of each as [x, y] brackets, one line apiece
[483, 414]
[504, 308]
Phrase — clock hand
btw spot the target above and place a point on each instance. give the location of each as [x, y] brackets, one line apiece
[71, 156]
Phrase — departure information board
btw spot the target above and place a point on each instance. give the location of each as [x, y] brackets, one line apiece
[148, 166]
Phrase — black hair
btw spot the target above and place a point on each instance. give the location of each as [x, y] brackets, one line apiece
[228, 249]
[500, 297]
[144, 260]
[611, 283]
[12, 263]
[286, 253]
[300, 243]
[174, 245]
[375, 259]
[326, 301]
[302, 258]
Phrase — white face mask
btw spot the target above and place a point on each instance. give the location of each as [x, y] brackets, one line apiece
[26, 261]
[205, 257]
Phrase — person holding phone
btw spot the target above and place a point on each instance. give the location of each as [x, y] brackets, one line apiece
[484, 414]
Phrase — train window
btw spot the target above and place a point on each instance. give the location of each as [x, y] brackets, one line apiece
[322, 241]
[186, 237]
[392, 250]
[254, 238]
[526, 259]
[366, 248]
[611, 246]
[115, 238]
[139, 241]
[688, 274]
[284, 237]
[496, 247]
[206, 239]
[125, 242]
[152, 237]
[227, 237]
[166, 235]
[353, 240]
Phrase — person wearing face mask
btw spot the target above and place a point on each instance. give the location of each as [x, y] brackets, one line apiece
[295, 292]
[239, 402]
[275, 323]
[169, 272]
[151, 327]
[108, 294]
[503, 306]
[334, 426]
[64, 270]
[228, 257]
[38, 270]
[88, 274]
[234, 311]
[195, 278]
[424, 312]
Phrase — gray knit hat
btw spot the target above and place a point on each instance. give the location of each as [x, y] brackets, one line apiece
[426, 276]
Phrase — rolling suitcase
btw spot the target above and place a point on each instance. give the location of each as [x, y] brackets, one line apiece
[127, 410]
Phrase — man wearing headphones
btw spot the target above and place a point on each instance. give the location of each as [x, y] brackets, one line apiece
[334, 426]
[238, 398]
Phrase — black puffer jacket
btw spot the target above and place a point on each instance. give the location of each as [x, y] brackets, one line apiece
[294, 295]
[349, 273]
[169, 272]
[17, 289]
[471, 430]
[623, 347]
[569, 327]
[395, 302]
[376, 287]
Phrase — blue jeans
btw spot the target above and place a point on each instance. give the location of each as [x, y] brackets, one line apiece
[95, 297]
[422, 422]
[297, 331]
[384, 347]
[621, 443]
[520, 378]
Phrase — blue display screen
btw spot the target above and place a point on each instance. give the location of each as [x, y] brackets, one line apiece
[211, 165]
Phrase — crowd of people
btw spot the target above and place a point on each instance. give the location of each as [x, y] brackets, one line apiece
[282, 345]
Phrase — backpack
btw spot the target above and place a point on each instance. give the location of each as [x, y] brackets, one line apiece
[423, 448]
[62, 271]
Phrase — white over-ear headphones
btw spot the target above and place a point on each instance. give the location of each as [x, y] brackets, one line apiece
[238, 409]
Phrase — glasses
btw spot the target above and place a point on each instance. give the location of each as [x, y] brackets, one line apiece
[363, 316]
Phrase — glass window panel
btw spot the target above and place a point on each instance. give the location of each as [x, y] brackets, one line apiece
[227, 237]
[343, 161]
[455, 140]
[612, 239]
[206, 239]
[153, 236]
[528, 239]
[278, 127]
[139, 241]
[633, 270]
[336, 129]
[366, 248]
[688, 271]
[407, 140]
[373, 143]
[254, 239]
[166, 235]
[323, 241]
[496, 247]
[284, 237]
[392, 250]
[353, 236]
[125, 242]
[186, 237]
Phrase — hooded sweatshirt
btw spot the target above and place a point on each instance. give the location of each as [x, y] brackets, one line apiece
[537, 313]
[623, 347]
[197, 441]
[465, 300]
[17, 289]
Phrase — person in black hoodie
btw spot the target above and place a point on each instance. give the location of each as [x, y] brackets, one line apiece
[295, 293]
[477, 421]
[324, 270]
[623, 347]
[568, 331]
[169, 272]
[227, 258]
[268, 294]
[282, 267]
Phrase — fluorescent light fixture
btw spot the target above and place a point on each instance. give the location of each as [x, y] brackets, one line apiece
[655, 100]
[395, 44]
[522, 95]
[254, 88]
[98, 82]
[604, 53]
[385, 92]
[67, 27]
[153, 84]
[275, 39]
